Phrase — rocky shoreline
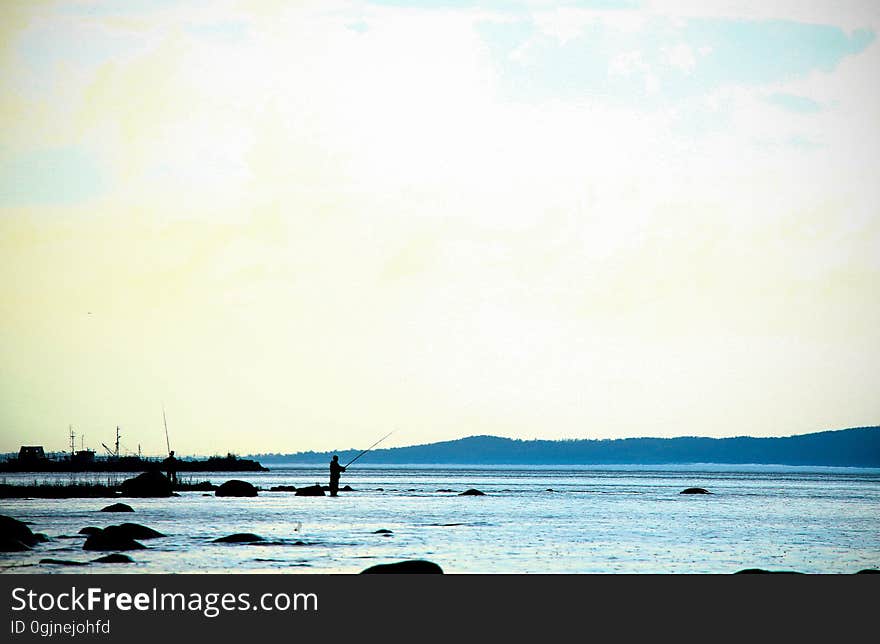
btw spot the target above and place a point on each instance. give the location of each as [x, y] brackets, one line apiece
[117, 540]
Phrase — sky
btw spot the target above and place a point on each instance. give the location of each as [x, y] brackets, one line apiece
[299, 226]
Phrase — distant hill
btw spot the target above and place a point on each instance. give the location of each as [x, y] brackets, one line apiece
[856, 447]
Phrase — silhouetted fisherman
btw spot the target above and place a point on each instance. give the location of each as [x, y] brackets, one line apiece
[335, 470]
[171, 465]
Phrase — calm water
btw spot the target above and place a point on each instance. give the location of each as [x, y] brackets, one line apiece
[582, 519]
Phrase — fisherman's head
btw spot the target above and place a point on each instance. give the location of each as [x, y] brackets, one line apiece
[171, 453]
[335, 457]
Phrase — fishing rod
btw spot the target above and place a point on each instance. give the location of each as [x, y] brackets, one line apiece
[368, 449]
[167, 442]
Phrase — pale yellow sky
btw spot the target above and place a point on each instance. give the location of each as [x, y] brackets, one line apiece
[300, 227]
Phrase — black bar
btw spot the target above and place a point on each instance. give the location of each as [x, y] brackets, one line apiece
[437, 607]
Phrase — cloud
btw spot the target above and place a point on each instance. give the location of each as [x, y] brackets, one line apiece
[849, 15]
[569, 52]
[52, 176]
[793, 103]
[681, 57]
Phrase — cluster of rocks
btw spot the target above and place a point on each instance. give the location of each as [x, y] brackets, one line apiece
[16, 536]
[155, 484]
[118, 537]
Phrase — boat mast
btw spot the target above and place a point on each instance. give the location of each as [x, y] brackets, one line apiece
[72, 440]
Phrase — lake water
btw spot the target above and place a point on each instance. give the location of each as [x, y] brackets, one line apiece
[579, 519]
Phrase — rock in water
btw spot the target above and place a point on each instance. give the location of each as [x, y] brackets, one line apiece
[761, 571]
[240, 537]
[112, 538]
[149, 484]
[15, 530]
[114, 558]
[695, 490]
[137, 531]
[235, 487]
[118, 507]
[90, 530]
[411, 566]
[311, 490]
[472, 492]
[64, 562]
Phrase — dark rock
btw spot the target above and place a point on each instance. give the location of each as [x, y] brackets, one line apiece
[240, 537]
[8, 544]
[204, 486]
[283, 488]
[411, 566]
[15, 530]
[147, 485]
[472, 492]
[445, 490]
[761, 571]
[64, 562]
[868, 571]
[40, 537]
[114, 558]
[137, 531]
[382, 531]
[346, 488]
[311, 490]
[118, 507]
[235, 487]
[112, 537]
[695, 490]
[90, 530]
